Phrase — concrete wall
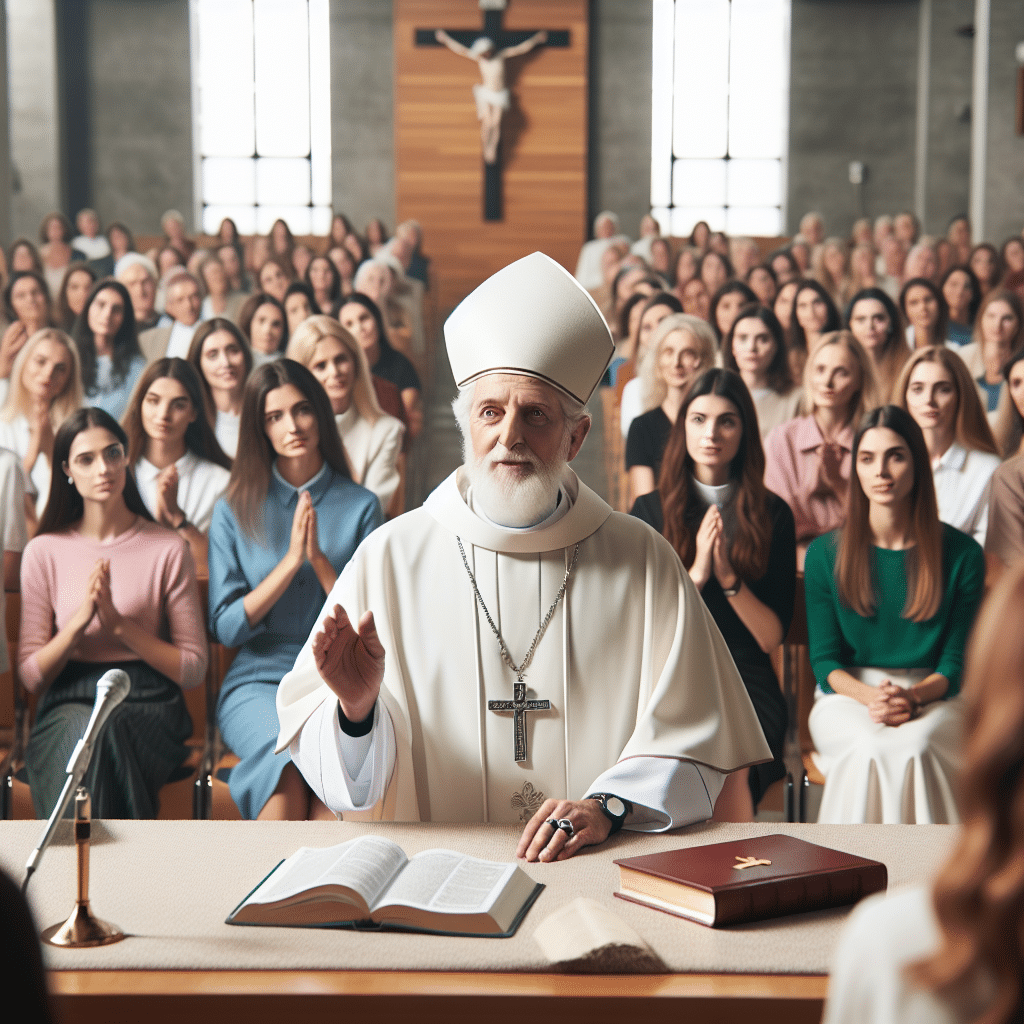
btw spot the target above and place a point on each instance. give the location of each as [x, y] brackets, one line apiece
[362, 110]
[35, 138]
[141, 111]
[1004, 194]
[620, 123]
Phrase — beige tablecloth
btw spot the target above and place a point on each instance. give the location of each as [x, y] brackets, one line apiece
[170, 884]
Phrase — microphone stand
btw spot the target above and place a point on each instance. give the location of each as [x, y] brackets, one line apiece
[81, 929]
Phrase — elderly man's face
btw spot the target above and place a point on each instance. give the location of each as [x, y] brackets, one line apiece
[518, 426]
[184, 302]
[142, 289]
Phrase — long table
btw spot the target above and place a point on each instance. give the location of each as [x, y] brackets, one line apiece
[170, 885]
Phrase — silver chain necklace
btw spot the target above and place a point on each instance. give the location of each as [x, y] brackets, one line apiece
[505, 656]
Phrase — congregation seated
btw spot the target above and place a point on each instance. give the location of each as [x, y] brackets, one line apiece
[873, 319]
[289, 522]
[108, 347]
[372, 440]
[949, 952]
[183, 312]
[222, 358]
[807, 459]
[936, 389]
[681, 348]
[27, 309]
[263, 321]
[103, 586]
[73, 290]
[925, 312]
[46, 387]
[712, 506]
[755, 348]
[361, 317]
[887, 634]
[814, 315]
[179, 468]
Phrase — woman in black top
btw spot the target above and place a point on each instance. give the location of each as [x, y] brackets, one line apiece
[738, 543]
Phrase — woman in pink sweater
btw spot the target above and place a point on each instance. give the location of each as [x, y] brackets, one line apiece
[103, 586]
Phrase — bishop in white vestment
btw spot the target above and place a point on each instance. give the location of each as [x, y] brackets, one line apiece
[645, 701]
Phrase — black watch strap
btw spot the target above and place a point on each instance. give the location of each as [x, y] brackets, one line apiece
[614, 807]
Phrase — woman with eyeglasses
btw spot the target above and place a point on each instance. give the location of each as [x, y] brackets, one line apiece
[102, 587]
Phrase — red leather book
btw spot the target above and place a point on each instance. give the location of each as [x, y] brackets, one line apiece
[748, 880]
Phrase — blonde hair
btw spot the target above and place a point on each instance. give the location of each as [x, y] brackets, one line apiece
[70, 399]
[867, 377]
[302, 348]
[652, 386]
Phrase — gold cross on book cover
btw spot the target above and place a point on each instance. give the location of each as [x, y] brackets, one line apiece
[712, 884]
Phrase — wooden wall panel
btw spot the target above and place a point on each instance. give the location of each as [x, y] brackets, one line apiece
[438, 163]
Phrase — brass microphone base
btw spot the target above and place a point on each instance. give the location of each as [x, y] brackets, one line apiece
[81, 929]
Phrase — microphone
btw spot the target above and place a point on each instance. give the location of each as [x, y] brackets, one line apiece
[112, 688]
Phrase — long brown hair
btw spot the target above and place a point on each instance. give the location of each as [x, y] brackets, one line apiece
[924, 560]
[751, 545]
[199, 436]
[979, 893]
[251, 472]
[780, 380]
[972, 430]
[195, 356]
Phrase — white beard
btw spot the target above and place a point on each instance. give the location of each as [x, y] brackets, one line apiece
[511, 500]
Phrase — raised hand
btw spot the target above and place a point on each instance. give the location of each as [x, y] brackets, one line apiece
[350, 661]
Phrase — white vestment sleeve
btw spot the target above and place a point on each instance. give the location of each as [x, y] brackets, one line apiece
[348, 773]
[665, 792]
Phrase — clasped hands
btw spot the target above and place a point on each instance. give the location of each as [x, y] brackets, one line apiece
[892, 705]
[350, 660]
[98, 602]
[712, 555]
[303, 546]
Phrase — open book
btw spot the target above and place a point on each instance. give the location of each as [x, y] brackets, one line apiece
[369, 882]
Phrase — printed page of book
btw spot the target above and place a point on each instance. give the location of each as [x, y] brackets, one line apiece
[366, 865]
[447, 882]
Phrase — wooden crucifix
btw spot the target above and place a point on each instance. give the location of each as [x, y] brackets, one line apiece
[490, 48]
[519, 705]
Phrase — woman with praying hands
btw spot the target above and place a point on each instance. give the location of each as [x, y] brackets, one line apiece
[220, 355]
[179, 467]
[872, 318]
[681, 349]
[936, 389]
[891, 598]
[807, 460]
[372, 440]
[755, 349]
[736, 539]
[949, 951]
[102, 587]
[290, 521]
[46, 387]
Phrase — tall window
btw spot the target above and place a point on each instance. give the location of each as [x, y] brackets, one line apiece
[720, 115]
[261, 74]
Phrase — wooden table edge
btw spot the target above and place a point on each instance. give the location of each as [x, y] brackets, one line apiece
[430, 983]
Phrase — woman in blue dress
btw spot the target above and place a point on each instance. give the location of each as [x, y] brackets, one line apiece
[290, 520]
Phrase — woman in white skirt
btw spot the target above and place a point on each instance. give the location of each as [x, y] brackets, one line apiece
[891, 598]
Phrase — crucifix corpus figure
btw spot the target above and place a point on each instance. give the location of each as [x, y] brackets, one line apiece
[492, 96]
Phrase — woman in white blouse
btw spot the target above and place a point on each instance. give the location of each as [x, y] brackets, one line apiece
[221, 356]
[372, 440]
[179, 467]
[46, 387]
[935, 387]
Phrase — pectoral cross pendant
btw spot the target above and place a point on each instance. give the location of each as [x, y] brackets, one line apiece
[519, 705]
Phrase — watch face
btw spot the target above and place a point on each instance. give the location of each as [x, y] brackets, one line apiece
[615, 807]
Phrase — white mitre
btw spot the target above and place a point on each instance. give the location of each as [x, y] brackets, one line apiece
[533, 318]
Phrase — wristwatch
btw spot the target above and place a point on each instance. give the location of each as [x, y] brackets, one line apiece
[615, 808]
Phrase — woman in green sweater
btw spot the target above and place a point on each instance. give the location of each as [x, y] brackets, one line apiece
[890, 601]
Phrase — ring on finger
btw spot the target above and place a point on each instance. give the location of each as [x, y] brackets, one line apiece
[566, 826]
